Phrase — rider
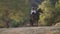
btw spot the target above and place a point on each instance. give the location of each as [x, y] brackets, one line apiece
[33, 11]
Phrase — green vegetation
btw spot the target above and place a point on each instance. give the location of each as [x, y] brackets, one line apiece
[13, 11]
[51, 12]
[16, 12]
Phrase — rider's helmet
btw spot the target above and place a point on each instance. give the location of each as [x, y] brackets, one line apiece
[33, 8]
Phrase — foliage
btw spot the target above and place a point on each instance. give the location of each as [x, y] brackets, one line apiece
[50, 12]
[16, 10]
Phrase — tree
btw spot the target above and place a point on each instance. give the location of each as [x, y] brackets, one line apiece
[14, 10]
[47, 18]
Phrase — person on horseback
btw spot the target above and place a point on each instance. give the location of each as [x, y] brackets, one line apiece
[32, 16]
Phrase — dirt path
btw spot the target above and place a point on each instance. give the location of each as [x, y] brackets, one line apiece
[30, 30]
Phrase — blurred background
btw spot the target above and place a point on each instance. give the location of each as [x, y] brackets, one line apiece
[16, 12]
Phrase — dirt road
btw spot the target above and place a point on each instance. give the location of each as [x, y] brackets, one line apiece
[30, 30]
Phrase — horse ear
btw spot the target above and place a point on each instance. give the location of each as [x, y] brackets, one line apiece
[39, 10]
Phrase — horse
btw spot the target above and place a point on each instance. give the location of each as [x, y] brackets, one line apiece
[34, 18]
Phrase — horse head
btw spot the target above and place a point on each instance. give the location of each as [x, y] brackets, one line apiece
[39, 11]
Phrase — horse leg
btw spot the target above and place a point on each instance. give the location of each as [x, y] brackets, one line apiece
[36, 22]
[31, 22]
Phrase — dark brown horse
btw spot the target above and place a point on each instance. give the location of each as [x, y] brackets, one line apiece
[35, 17]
